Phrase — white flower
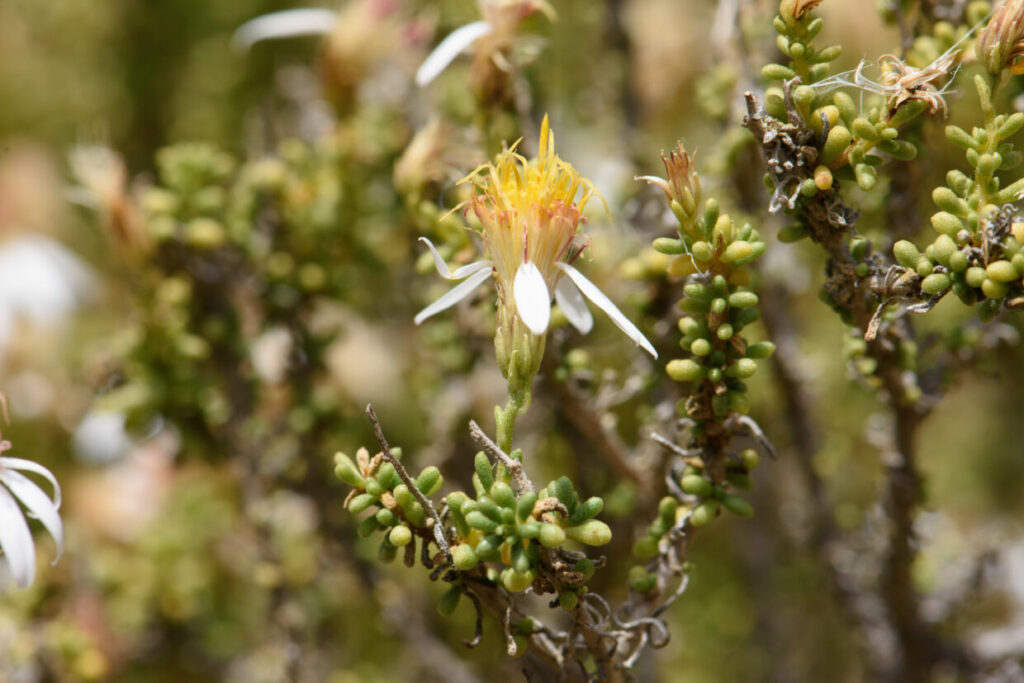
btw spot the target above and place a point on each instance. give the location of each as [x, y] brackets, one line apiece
[530, 221]
[15, 537]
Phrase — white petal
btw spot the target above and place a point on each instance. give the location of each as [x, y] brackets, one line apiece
[39, 504]
[285, 24]
[591, 291]
[16, 540]
[448, 49]
[445, 271]
[533, 301]
[572, 304]
[29, 466]
[454, 295]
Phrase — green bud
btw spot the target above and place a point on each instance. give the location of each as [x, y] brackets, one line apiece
[761, 349]
[935, 283]
[449, 601]
[737, 506]
[667, 507]
[386, 553]
[865, 130]
[685, 370]
[993, 289]
[1012, 124]
[946, 223]
[589, 508]
[808, 188]
[563, 491]
[524, 508]
[974, 276]
[830, 53]
[479, 520]
[387, 477]
[464, 557]
[386, 517]
[737, 250]
[551, 535]
[909, 110]
[502, 494]
[899, 149]
[489, 549]
[641, 580]
[645, 548]
[866, 176]
[906, 253]
[837, 141]
[367, 527]
[517, 582]
[961, 138]
[592, 532]
[1002, 271]
[568, 600]
[777, 72]
[400, 536]
[700, 347]
[529, 529]
[724, 332]
[482, 465]
[374, 488]
[429, 481]
[742, 299]
[847, 107]
[345, 470]
[360, 503]
[704, 513]
[696, 485]
[804, 96]
[739, 480]
[958, 261]
[742, 368]
[669, 245]
[947, 200]
[719, 305]
[702, 251]
[750, 458]
[942, 248]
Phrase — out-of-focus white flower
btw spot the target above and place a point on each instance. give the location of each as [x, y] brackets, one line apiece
[15, 538]
[501, 19]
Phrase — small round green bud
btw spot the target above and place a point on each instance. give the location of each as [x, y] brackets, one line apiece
[777, 72]
[400, 536]
[464, 557]
[947, 200]
[838, 140]
[517, 582]
[742, 299]
[761, 349]
[386, 517]
[737, 250]
[700, 347]
[974, 276]
[702, 251]
[568, 600]
[958, 261]
[750, 458]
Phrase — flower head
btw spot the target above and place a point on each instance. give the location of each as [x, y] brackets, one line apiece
[793, 11]
[681, 183]
[15, 537]
[1000, 44]
[530, 212]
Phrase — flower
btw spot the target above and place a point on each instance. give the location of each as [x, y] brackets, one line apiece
[1000, 44]
[529, 219]
[15, 537]
[794, 10]
[681, 183]
[493, 36]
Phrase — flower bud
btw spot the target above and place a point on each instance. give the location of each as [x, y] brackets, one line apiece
[592, 532]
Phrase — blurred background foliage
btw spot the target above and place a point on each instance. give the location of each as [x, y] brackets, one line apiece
[271, 295]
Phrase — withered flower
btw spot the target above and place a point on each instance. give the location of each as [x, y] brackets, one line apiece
[1000, 44]
[793, 11]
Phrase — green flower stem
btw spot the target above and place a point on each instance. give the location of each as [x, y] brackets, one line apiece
[518, 402]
